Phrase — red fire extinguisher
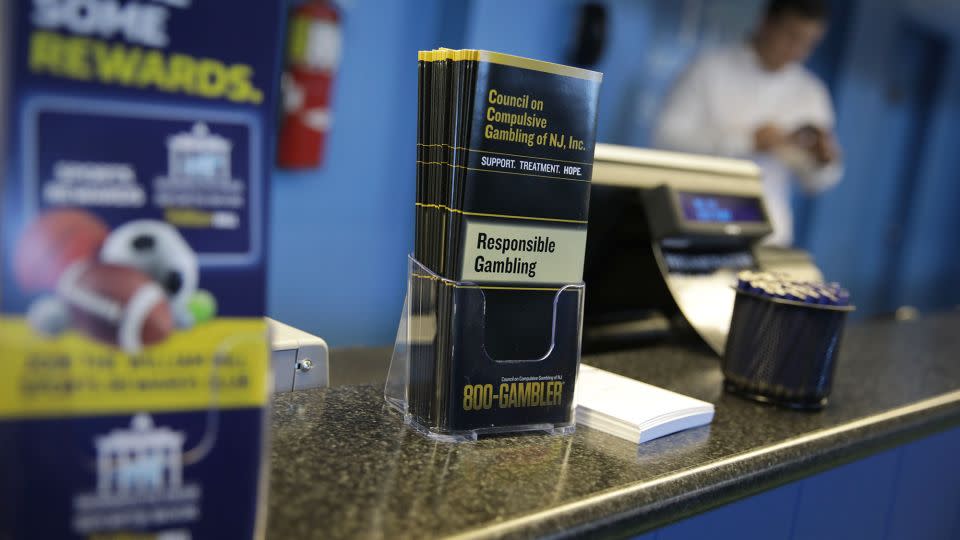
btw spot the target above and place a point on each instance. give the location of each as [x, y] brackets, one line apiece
[313, 54]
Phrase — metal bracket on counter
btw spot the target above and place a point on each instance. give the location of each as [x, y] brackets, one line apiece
[299, 360]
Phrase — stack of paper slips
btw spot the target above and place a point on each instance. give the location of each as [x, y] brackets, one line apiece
[633, 410]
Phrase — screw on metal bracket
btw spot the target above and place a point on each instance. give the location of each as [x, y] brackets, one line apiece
[305, 365]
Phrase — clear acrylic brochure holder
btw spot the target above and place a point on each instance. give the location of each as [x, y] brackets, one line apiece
[445, 384]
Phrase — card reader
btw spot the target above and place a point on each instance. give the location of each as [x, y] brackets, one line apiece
[668, 233]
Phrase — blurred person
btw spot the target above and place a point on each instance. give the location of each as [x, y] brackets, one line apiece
[756, 100]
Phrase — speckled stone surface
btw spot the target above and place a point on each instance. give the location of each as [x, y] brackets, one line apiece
[345, 466]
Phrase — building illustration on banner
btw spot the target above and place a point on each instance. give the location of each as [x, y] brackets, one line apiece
[139, 465]
[199, 156]
[141, 459]
[199, 171]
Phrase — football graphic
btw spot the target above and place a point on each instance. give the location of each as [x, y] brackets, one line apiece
[130, 288]
[116, 304]
[157, 249]
[51, 243]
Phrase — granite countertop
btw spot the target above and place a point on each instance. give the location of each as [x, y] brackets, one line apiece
[345, 466]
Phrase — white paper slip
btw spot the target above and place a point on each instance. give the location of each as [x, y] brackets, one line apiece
[634, 410]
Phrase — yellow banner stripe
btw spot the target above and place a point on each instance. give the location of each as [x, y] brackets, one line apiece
[222, 363]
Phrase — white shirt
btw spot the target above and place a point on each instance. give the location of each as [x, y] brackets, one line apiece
[723, 98]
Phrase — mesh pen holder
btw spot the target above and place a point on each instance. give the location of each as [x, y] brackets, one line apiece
[451, 376]
[782, 351]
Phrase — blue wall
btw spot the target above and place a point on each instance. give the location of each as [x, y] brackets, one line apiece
[931, 262]
[532, 28]
[851, 230]
[340, 233]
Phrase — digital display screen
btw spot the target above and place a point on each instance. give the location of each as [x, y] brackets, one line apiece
[710, 208]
